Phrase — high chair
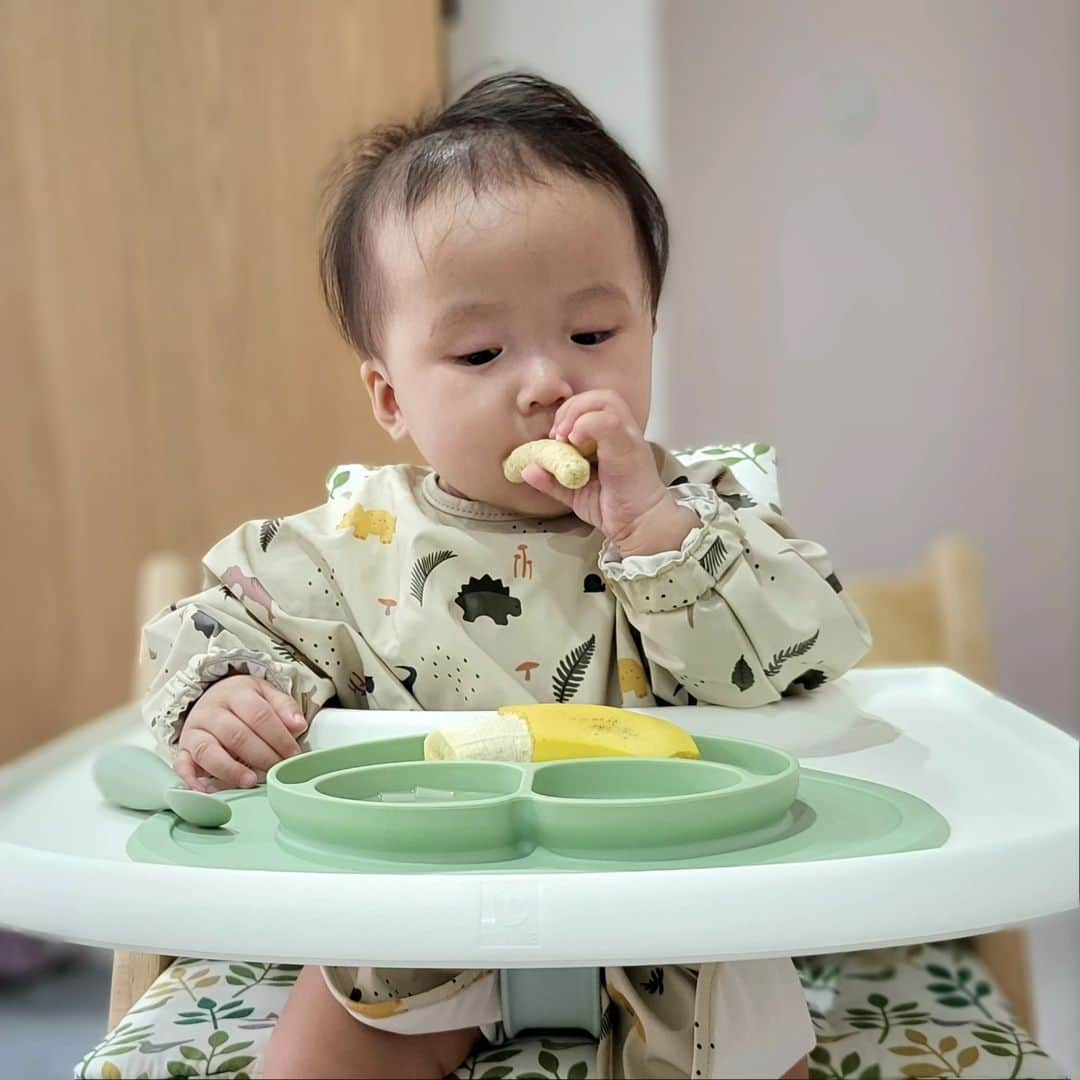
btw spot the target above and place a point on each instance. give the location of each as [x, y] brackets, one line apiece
[934, 614]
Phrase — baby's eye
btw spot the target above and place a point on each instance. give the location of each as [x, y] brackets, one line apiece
[477, 359]
[603, 335]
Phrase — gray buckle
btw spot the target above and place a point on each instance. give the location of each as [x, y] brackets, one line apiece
[550, 998]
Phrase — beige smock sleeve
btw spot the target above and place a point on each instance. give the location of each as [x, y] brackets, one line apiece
[744, 611]
[232, 627]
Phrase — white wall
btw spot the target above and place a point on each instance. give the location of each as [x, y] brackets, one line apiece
[876, 266]
[604, 51]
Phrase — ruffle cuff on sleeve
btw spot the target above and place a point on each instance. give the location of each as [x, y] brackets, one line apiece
[670, 580]
[168, 706]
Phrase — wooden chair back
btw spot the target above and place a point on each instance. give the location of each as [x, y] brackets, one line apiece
[933, 614]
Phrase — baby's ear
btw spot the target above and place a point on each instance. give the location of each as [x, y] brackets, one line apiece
[384, 403]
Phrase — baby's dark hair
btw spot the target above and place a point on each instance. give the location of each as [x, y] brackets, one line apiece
[510, 128]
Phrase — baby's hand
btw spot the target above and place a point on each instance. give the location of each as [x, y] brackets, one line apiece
[239, 725]
[625, 492]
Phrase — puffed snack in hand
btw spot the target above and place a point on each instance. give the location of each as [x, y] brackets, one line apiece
[565, 462]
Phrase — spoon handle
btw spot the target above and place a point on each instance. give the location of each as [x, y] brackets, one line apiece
[133, 777]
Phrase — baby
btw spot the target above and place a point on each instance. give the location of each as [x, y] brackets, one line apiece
[498, 268]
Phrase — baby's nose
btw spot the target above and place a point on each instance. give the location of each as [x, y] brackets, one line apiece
[544, 385]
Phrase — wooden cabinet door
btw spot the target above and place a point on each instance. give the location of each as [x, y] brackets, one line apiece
[168, 370]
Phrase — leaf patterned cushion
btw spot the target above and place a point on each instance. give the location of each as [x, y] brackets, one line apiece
[916, 1011]
[929, 1010]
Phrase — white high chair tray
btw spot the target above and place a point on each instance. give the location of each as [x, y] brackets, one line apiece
[1007, 782]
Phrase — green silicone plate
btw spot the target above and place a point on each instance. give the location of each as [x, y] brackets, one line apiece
[377, 807]
[377, 799]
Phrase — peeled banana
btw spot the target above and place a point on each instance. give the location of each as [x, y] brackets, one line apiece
[553, 732]
[568, 465]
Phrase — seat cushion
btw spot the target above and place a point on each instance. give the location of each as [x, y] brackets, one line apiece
[914, 1011]
[214, 1018]
[917, 1011]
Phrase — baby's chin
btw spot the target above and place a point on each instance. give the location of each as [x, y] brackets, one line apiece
[528, 500]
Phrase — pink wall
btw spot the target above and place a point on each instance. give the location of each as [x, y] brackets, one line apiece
[876, 266]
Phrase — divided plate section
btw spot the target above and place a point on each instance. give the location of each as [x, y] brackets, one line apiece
[382, 799]
[618, 808]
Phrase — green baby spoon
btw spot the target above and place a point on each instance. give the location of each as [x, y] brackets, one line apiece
[138, 779]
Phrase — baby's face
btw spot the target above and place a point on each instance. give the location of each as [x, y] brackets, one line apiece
[500, 307]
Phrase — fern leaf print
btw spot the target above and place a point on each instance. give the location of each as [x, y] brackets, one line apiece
[606, 1021]
[784, 655]
[267, 532]
[422, 569]
[286, 652]
[714, 558]
[571, 670]
[732, 455]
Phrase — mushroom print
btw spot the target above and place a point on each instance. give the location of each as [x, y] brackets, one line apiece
[527, 666]
[526, 563]
[387, 603]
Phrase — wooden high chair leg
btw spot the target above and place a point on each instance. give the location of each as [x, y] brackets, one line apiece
[1005, 954]
[132, 976]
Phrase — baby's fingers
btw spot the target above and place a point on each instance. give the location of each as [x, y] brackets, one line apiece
[536, 476]
[613, 436]
[194, 777]
[268, 725]
[214, 760]
[184, 767]
[285, 707]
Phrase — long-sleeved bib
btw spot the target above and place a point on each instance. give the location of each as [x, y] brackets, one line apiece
[394, 594]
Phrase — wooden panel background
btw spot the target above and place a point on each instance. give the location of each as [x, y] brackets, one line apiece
[168, 368]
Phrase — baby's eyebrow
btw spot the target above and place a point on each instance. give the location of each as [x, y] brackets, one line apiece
[452, 316]
[604, 290]
[460, 313]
